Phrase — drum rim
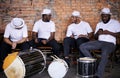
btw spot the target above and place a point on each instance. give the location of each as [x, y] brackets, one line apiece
[24, 70]
[43, 58]
[83, 59]
[58, 61]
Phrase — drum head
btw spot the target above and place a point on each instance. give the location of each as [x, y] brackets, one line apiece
[16, 69]
[57, 69]
[86, 59]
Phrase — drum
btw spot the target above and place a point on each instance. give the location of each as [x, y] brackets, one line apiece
[57, 68]
[86, 67]
[24, 64]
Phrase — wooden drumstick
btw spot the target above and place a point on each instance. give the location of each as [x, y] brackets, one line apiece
[56, 57]
[53, 57]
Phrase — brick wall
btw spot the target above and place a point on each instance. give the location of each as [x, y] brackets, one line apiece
[30, 11]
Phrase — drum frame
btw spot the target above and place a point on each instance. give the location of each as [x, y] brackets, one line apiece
[33, 50]
[87, 62]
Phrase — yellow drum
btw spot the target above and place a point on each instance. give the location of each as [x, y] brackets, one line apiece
[24, 64]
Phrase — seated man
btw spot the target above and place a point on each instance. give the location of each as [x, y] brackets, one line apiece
[44, 32]
[77, 33]
[106, 32]
[15, 36]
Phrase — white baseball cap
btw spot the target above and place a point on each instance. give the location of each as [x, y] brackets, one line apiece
[106, 11]
[46, 11]
[76, 13]
[17, 23]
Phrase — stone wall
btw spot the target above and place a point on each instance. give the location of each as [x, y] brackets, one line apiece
[30, 11]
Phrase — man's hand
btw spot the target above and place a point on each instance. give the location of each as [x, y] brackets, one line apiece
[44, 41]
[14, 44]
[72, 36]
[36, 40]
[106, 32]
[100, 31]
[81, 35]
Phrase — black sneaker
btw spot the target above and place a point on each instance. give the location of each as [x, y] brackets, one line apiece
[95, 77]
[67, 60]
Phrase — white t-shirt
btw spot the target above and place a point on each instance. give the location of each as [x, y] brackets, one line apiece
[112, 26]
[44, 28]
[77, 29]
[15, 34]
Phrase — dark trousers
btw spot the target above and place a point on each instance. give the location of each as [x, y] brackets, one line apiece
[53, 43]
[73, 43]
[5, 49]
[106, 49]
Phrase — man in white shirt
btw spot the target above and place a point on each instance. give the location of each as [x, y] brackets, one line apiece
[106, 32]
[77, 33]
[15, 36]
[44, 32]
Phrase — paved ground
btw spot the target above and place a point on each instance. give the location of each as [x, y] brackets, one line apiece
[72, 72]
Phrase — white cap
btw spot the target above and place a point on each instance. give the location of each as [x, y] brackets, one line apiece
[106, 11]
[46, 11]
[76, 13]
[17, 23]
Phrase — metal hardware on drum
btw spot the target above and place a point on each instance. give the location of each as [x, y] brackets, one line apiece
[86, 67]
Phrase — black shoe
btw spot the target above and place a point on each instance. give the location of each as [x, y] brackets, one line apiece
[95, 77]
[67, 60]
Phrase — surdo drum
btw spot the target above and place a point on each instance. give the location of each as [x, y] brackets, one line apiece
[24, 64]
[86, 67]
[57, 68]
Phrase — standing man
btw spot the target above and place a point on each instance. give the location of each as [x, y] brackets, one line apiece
[15, 36]
[44, 32]
[106, 32]
[77, 33]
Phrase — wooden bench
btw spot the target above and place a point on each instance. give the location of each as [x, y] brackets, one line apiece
[45, 49]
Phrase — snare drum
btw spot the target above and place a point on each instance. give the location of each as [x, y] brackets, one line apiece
[86, 67]
[57, 68]
[24, 64]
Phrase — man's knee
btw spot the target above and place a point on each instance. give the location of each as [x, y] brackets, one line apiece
[82, 46]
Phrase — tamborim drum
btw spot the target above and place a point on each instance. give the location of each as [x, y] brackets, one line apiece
[24, 64]
[86, 67]
[57, 68]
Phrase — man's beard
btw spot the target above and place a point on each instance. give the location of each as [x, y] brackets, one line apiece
[47, 20]
[106, 21]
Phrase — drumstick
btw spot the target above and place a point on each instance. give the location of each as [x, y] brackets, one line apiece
[53, 57]
[56, 57]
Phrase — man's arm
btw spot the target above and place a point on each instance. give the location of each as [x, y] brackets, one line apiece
[34, 37]
[7, 40]
[52, 36]
[91, 36]
[111, 33]
[100, 31]
[24, 39]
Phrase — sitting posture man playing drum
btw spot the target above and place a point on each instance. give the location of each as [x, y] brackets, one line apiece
[44, 32]
[78, 32]
[15, 36]
[106, 32]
